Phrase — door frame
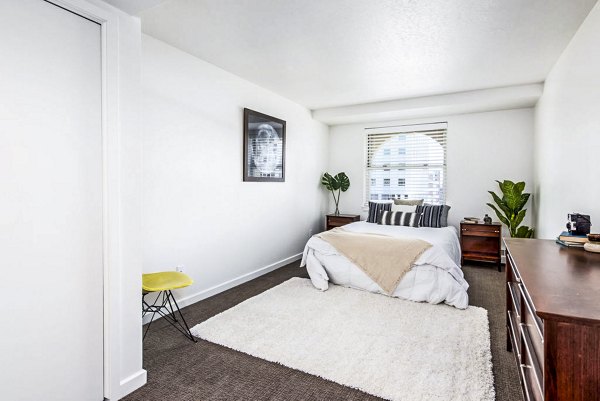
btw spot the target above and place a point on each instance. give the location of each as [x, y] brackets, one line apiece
[108, 19]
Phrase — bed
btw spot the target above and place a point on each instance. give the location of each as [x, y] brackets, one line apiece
[435, 276]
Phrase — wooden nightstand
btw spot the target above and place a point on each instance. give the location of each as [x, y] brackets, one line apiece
[338, 220]
[481, 242]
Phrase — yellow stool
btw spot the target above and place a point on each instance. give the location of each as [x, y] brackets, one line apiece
[163, 283]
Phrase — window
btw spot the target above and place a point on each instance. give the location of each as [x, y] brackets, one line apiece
[410, 165]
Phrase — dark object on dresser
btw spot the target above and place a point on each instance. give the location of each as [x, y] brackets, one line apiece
[487, 219]
[578, 224]
[481, 242]
[338, 220]
[553, 319]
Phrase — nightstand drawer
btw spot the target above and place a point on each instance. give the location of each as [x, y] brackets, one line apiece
[474, 233]
[480, 244]
[480, 229]
[338, 221]
[333, 220]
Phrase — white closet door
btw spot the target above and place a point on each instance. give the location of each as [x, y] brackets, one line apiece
[51, 268]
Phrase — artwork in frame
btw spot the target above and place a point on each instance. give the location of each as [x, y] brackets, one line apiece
[264, 147]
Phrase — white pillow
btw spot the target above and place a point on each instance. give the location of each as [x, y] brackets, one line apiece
[404, 208]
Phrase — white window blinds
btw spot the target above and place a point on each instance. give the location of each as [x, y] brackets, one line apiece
[406, 165]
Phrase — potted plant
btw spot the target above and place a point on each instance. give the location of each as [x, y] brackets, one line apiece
[510, 207]
[340, 183]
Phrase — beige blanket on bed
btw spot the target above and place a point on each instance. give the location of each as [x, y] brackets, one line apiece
[384, 259]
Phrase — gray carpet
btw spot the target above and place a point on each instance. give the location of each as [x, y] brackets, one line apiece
[181, 370]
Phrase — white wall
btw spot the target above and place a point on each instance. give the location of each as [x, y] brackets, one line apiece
[482, 147]
[567, 141]
[197, 211]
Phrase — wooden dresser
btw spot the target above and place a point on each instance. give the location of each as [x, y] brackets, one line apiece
[481, 242]
[553, 319]
[338, 220]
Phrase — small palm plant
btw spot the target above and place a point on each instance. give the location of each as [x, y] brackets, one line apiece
[510, 207]
[340, 183]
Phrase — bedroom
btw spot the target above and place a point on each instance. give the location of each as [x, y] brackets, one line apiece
[512, 86]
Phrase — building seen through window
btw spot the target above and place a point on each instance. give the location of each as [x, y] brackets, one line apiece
[406, 166]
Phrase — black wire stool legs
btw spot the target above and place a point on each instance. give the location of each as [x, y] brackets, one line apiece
[163, 306]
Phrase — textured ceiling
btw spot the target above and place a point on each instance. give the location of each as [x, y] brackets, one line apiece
[324, 53]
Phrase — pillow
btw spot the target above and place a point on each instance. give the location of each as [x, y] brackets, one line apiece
[375, 208]
[433, 215]
[404, 208]
[411, 202]
[388, 218]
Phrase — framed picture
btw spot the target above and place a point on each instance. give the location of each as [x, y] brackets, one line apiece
[264, 147]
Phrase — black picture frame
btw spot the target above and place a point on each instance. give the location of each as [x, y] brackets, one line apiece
[264, 147]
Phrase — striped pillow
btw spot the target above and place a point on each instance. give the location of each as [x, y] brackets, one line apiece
[399, 219]
[434, 215]
[375, 208]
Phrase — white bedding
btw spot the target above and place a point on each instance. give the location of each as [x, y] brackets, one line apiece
[435, 277]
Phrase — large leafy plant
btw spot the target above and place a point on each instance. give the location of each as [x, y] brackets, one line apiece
[339, 182]
[510, 209]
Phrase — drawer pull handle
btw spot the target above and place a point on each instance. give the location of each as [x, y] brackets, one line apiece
[525, 366]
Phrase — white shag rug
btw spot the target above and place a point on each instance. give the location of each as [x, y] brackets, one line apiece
[388, 347]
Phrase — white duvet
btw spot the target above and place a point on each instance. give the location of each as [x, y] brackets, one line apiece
[435, 277]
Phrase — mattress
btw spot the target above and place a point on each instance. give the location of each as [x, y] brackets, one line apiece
[435, 277]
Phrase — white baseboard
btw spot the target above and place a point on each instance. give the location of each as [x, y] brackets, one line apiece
[132, 383]
[209, 292]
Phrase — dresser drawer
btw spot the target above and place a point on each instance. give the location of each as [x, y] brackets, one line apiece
[513, 271]
[530, 391]
[513, 307]
[514, 327]
[530, 318]
[532, 367]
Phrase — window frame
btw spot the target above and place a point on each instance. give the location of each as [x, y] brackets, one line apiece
[438, 127]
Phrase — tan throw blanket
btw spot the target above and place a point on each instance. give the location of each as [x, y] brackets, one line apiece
[384, 259]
